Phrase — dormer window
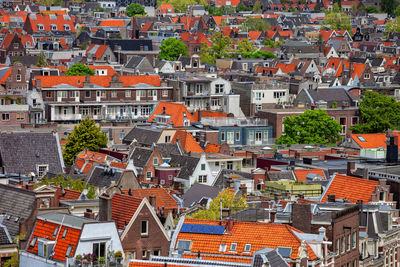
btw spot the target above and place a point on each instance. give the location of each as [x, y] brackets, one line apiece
[66, 27]
[53, 27]
[40, 27]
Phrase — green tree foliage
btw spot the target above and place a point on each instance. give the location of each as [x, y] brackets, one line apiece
[372, 9]
[242, 7]
[247, 50]
[79, 69]
[14, 260]
[172, 48]
[255, 24]
[337, 19]
[68, 182]
[134, 9]
[272, 44]
[229, 200]
[85, 135]
[311, 127]
[181, 6]
[393, 27]
[42, 62]
[389, 6]
[257, 7]
[378, 113]
[221, 46]
[397, 11]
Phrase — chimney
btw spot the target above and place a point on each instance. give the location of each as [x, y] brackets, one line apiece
[365, 173]
[230, 182]
[229, 225]
[301, 216]
[243, 189]
[226, 213]
[30, 186]
[152, 200]
[105, 211]
[331, 198]
[88, 214]
[351, 165]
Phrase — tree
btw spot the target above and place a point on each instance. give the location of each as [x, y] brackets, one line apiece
[41, 61]
[378, 113]
[14, 260]
[397, 11]
[255, 24]
[85, 135]
[371, 9]
[257, 7]
[245, 47]
[171, 49]
[68, 182]
[221, 46]
[182, 5]
[242, 7]
[134, 9]
[79, 69]
[228, 199]
[392, 27]
[337, 19]
[388, 6]
[311, 127]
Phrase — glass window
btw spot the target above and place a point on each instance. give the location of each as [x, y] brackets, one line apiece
[265, 135]
[114, 94]
[233, 247]
[258, 136]
[184, 244]
[202, 178]
[247, 248]
[203, 167]
[65, 233]
[354, 240]
[222, 136]
[237, 135]
[155, 161]
[219, 88]
[144, 228]
[99, 249]
[251, 136]
[5, 116]
[87, 94]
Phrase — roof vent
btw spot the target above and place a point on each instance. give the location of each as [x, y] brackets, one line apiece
[37, 153]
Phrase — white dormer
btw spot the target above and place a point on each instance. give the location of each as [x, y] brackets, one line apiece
[40, 27]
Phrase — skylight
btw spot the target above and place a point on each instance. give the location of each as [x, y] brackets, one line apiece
[362, 139]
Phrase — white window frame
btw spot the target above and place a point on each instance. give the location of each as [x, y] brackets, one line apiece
[41, 172]
[144, 233]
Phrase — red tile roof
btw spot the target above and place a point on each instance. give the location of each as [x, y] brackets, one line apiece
[110, 70]
[358, 69]
[301, 174]
[104, 81]
[6, 75]
[112, 23]
[123, 207]
[163, 9]
[96, 51]
[259, 235]
[286, 68]
[253, 35]
[187, 142]
[7, 41]
[47, 21]
[219, 258]
[69, 194]
[212, 148]
[44, 229]
[350, 188]
[370, 140]
[177, 112]
[163, 198]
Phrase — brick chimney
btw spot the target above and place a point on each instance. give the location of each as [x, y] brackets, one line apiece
[229, 225]
[243, 189]
[301, 216]
[331, 198]
[88, 214]
[226, 213]
[105, 210]
[152, 200]
[351, 166]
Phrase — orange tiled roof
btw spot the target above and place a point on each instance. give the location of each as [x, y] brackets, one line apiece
[163, 9]
[123, 207]
[47, 20]
[118, 165]
[301, 174]
[110, 70]
[5, 76]
[112, 23]
[96, 51]
[286, 68]
[137, 263]
[259, 235]
[209, 114]
[163, 198]
[69, 194]
[92, 156]
[177, 112]
[45, 229]
[374, 140]
[358, 69]
[212, 148]
[7, 41]
[219, 258]
[104, 81]
[187, 142]
[350, 188]
[253, 35]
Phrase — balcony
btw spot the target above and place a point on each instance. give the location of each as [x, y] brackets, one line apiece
[67, 117]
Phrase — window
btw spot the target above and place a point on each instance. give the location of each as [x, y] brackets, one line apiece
[354, 120]
[69, 250]
[164, 93]
[381, 196]
[229, 165]
[237, 135]
[121, 136]
[33, 242]
[144, 230]
[222, 136]
[337, 246]
[244, 66]
[128, 93]
[258, 136]
[55, 232]
[342, 122]
[87, 94]
[265, 135]
[167, 138]
[170, 177]
[66, 27]
[40, 27]
[348, 242]
[65, 233]
[19, 77]
[49, 94]
[85, 111]
[247, 248]
[184, 245]
[62, 94]
[148, 174]
[20, 116]
[114, 94]
[354, 240]
[42, 170]
[258, 95]
[156, 252]
[251, 136]
[258, 107]
[155, 161]
[16, 45]
[219, 88]
[54, 27]
[144, 254]
[202, 179]
[140, 93]
[203, 167]
[99, 249]
[279, 94]
[343, 245]
[366, 76]
[233, 247]
[101, 94]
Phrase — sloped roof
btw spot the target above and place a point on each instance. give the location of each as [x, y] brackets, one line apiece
[140, 156]
[163, 197]
[177, 112]
[373, 140]
[212, 148]
[123, 207]
[187, 142]
[96, 51]
[198, 191]
[301, 174]
[47, 20]
[102, 176]
[258, 235]
[186, 163]
[350, 188]
[112, 23]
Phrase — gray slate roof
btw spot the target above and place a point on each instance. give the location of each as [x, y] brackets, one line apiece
[282, 175]
[222, 182]
[270, 256]
[167, 149]
[5, 237]
[198, 191]
[66, 219]
[102, 176]
[140, 156]
[22, 152]
[186, 163]
[18, 203]
[144, 136]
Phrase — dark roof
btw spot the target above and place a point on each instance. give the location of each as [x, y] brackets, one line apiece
[270, 256]
[167, 149]
[338, 95]
[140, 156]
[198, 191]
[23, 152]
[144, 136]
[222, 182]
[102, 176]
[5, 237]
[28, 61]
[134, 62]
[130, 45]
[186, 163]
[281, 175]
[19, 203]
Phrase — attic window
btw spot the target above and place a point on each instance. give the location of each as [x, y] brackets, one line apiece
[40, 27]
[285, 252]
[42, 170]
[53, 27]
[66, 27]
[65, 233]
[66, 17]
[9, 217]
[55, 231]
[16, 219]
[52, 17]
[69, 250]
[33, 242]
[362, 139]
[247, 248]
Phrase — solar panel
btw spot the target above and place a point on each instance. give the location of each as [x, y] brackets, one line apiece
[285, 252]
[203, 229]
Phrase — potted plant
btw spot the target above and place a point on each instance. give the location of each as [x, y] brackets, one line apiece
[78, 260]
[101, 261]
[118, 256]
